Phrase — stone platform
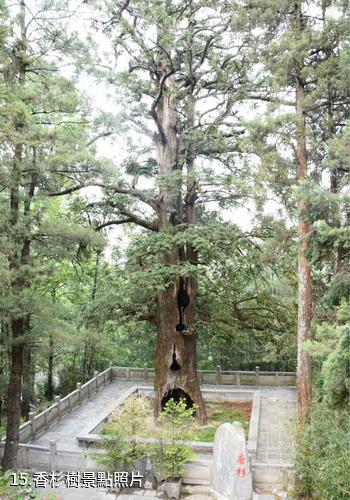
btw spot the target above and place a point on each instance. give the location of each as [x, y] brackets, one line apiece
[272, 466]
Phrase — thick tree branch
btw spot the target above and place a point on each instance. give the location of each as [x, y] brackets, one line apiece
[128, 191]
[99, 136]
[129, 216]
[275, 100]
[152, 226]
[113, 223]
[153, 111]
[67, 191]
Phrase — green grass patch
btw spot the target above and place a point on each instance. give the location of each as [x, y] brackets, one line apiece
[218, 413]
[206, 434]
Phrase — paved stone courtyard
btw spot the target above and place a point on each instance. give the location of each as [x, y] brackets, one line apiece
[189, 492]
[83, 418]
[277, 412]
[274, 447]
[276, 426]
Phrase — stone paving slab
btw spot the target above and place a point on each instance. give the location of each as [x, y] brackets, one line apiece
[127, 494]
[276, 427]
[83, 418]
[133, 496]
[63, 493]
[276, 423]
[195, 492]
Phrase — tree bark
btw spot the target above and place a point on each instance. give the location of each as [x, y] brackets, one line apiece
[28, 378]
[175, 363]
[174, 349]
[49, 383]
[304, 266]
[14, 399]
[18, 258]
[4, 355]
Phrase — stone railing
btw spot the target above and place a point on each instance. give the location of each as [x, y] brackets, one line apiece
[38, 458]
[38, 423]
[213, 377]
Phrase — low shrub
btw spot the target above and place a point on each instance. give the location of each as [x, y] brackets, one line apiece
[323, 455]
[169, 455]
[10, 490]
[132, 420]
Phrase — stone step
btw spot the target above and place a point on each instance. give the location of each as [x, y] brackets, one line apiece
[196, 481]
[197, 472]
[265, 476]
[203, 457]
[133, 496]
[62, 492]
[199, 492]
[198, 497]
[282, 495]
[273, 477]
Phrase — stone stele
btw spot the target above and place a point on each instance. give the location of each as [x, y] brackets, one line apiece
[231, 475]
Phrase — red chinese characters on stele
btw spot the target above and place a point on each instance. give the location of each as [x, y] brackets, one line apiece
[241, 470]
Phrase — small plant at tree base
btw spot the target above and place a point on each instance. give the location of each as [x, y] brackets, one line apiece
[172, 452]
[175, 456]
[115, 456]
[129, 422]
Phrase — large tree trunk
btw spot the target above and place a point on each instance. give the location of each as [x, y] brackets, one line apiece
[175, 366]
[14, 392]
[14, 399]
[16, 260]
[304, 323]
[4, 359]
[17, 330]
[28, 379]
[49, 383]
[304, 266]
